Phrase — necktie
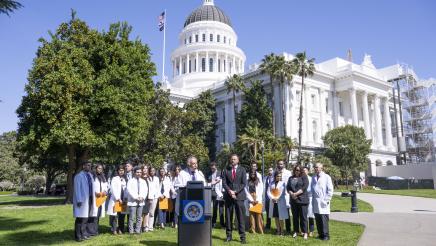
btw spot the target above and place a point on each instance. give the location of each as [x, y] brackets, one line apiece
[317, 177]
[234, 173]
[138, 190]
[193, 175]
[88, 178]
[162, 188]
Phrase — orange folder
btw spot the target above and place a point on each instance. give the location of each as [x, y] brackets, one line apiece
[256, 208]
[275, 193]
[163, 204]
[120, 207]
[100, 200]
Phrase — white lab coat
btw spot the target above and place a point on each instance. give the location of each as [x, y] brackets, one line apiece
[286, 174]
[310, 213]
[283, 209]
[133, 192]
[185, 176]
[176, 182]
[259, 197]
[153, 187]
[118, 185]
[166, 184]
[98, 188]
[81, 194]
[322, 192]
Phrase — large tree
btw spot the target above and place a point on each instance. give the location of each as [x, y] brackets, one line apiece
[8, 160]
[348, 149]
[234, 85]
[269, 66]
[8, 6]
[255, 110]
[87, 92]
[304, 68]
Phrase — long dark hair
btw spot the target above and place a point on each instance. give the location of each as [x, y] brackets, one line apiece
[100, 176]
[253, 181]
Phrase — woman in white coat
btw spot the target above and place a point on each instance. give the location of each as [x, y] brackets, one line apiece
[118, 188]
[100, 190]
[153, 195]
[310, 214]
[254, 191]
[277, 207]
[176, 183]
[164, 193]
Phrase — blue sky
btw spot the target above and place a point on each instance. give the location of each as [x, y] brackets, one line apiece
[391, 31]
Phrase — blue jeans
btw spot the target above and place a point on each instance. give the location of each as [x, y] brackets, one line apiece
[162, 216]
[135, 212]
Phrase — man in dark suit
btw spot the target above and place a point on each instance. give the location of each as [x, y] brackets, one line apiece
[234, 182]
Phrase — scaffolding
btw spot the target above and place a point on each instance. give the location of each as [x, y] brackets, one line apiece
[415, 100]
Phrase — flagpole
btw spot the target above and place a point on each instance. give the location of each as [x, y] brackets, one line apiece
[164, 41]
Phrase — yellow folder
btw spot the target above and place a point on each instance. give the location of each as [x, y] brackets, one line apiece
[100, 200]
[163, 204]
[120, 207]
[275, 193]
[256, 208]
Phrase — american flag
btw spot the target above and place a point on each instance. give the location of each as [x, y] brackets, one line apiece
[162, 21]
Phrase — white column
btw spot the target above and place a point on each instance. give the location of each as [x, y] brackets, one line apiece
[174, 68]
[207, 61]
[377, 121]
[227, 64]
[353, 102]
[366, 114]
[335, 110]
[388, 130]
[307, 116]
[197, 62]
[234, 65]
[216, 62]
[180, 65]
[187, 63]
[322, 106]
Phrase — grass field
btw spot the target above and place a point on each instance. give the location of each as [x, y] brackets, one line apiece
[428, 193]
[6, 192]
[44, 221]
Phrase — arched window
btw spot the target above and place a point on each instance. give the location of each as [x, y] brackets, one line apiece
[210, 64]
[204, 37]
[315, 133]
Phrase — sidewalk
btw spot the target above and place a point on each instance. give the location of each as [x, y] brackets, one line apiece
[397, 220]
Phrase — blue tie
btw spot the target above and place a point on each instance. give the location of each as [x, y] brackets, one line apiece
[193, 175]
[88, 178]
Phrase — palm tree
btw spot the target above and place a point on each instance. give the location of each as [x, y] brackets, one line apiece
[234, 84]
[8, 6]
[285, 71]
[268, 66]
[305, 67]
[288, 145]
[252, 138]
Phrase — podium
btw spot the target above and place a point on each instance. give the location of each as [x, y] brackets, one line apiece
[195, 215]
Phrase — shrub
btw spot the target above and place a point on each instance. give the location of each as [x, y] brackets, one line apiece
[35, 183]
[6, 185]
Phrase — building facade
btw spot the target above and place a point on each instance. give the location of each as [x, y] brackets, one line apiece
[339, 93]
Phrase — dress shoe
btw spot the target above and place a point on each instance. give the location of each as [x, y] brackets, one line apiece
[79, 239]
[243, 241]
[325, 238]
[228, 239]
[86, 238]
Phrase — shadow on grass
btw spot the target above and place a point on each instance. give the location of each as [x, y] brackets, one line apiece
[158, 243]
[34, 237]
[35, 202]
[13, 223]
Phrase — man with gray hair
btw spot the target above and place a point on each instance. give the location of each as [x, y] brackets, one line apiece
[191, 173]
[322, 192]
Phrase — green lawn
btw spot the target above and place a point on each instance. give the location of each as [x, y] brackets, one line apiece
[429, 193]
[42, 221]
[6, 192]
[343, 204]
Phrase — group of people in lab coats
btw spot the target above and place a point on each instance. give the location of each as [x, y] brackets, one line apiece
[138, 191]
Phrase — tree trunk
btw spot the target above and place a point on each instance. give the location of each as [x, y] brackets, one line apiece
[284, 109]
[255, 151]
[48, 182]
[71, 172]
[235, 109]
[272, 104]
[300, 118]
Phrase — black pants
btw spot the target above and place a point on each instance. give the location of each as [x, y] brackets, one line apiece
[92, 225]
[322, 225]
[239, 212]
[299, 217]
[311, 224]
[218, 207]
[288, 222]
[268, 219]
[117, 222]
[80, 228]
[121, 225]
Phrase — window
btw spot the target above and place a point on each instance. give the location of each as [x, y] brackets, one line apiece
[185, 41]
[315, 128]
[224, 114]
[230, 41]
[211, 37]
[224, 63]
[329, 127]
[218, 38]
[224, 39]
[219, 65]
[190, 39]
[190, 68]
[327, 105]
[204, 37]
[312, 98]
[210, 64]
[196, 38]
[341, 109]
[184, 67]
[203, 64]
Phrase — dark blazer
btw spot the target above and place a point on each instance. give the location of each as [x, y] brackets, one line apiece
[237, 185]
[302, 184]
